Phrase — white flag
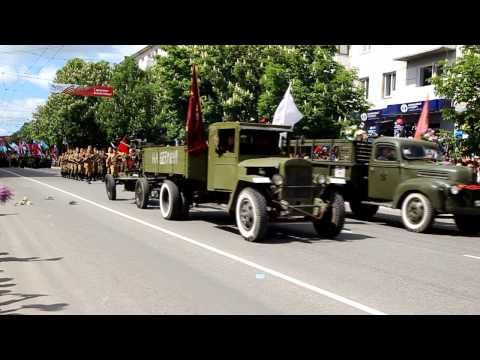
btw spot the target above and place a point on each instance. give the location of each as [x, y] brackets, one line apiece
[287, 112]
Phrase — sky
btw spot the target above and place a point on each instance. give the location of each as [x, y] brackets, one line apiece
[26, 72]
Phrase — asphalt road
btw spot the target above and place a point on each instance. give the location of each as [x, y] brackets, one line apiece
[75, 252]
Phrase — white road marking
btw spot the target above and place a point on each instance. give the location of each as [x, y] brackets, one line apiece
[473, 257]
[239, 259]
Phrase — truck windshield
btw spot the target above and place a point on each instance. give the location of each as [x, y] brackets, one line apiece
[259, 142]
[420, 152]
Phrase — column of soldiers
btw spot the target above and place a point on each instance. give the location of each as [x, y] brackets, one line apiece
[92, 164]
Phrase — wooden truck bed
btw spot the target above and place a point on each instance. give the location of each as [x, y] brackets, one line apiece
[174, 160]
[337, 158]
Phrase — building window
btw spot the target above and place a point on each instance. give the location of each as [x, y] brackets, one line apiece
[426, 75]
[366, 48]
[343, 49]
[364, 83]
[438, 70]
[389, 82]
[427, 72]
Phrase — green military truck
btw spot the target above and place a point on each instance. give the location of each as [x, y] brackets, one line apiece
[398, 173]
[243, 168]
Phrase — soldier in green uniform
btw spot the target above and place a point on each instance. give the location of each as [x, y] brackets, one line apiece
[88, 156]
[77, 159]
[108, 160]
[114, 162]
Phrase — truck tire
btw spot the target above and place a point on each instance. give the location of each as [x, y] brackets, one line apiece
[142, 193]
[171, 204]
[111, 187]
[363, 211]
[251, 214]
[417, 213]
[331, 224]
[468, 225]
[185, 205]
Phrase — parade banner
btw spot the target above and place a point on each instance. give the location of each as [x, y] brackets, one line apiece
[80, 90]
[194, 124]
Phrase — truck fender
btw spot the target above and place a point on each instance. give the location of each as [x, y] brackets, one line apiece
[239, 186]
[431, 188]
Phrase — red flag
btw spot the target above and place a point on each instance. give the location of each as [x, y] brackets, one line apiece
[123, 146]
[195, 136]
[422, 125]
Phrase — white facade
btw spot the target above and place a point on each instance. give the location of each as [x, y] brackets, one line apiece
[146, 57]
[396, 79]
[406, 61]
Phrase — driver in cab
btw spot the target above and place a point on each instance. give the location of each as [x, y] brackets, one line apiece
[386, 154]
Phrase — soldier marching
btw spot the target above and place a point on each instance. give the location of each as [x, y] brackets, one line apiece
[91, 164]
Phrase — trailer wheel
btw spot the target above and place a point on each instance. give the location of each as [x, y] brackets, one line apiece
[142, 192]
[171, 204]
[332, 221]
[251, 214]
[467, 225]
[417, 213]
[363, 211]
[111, 187]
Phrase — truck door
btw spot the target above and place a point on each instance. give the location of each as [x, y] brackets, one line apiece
[383, 172]
[222, 159]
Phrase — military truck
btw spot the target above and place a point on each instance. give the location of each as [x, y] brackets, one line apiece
[243, 168]
[399, 173]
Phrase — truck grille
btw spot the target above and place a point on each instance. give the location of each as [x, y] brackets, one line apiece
[433, 174]
[298, 176]
[363, 151]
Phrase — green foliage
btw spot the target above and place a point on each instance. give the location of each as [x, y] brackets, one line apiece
[129, 111]
[246, 82]
[460, 82]
[237, 82]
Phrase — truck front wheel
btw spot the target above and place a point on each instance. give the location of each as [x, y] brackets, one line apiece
[251, 214]
[417, 213]
[171, 204]
[142, 192]
[332, 221]
[467, 225]
[111, 187]
[363, 211]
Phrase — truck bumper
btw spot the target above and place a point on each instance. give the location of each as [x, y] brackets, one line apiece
[315, 210]
[466, 202]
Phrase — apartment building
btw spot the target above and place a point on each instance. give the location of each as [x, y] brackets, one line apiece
[146, 56]
[396, 82]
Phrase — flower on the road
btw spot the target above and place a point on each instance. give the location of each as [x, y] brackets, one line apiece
[5, 194]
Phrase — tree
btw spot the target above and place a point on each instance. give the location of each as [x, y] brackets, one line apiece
[460, 82]
[69, 116]
[324, 91]
[245, 82]
[129, 111]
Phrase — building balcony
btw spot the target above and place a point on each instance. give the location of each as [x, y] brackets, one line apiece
[423, 51]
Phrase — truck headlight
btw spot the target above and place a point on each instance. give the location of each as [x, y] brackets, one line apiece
[277, 179]
[454, 190]
[322, 179]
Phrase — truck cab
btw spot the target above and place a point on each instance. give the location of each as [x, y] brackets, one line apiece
[400, 173]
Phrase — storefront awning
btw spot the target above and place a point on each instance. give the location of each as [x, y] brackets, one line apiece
[415, 107]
